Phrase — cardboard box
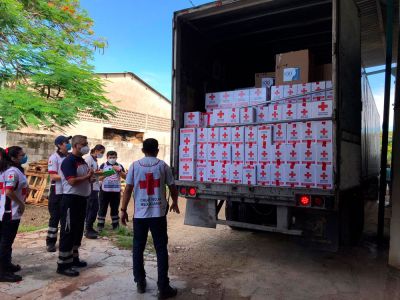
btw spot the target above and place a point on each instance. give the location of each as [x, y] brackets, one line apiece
[227, 99]
[201, 171]
[202, 135]
[219, 117]
[264, 153]
[258, 96]
[250, 174]
[236, 173]
[275, 112]
[264, 135]
[263, 175]
[213, 135]
[293, 67]
[186, 170]
[294, 132]
[233, 116]
[303, 88]
[290, 90]
[278, 153]
[202, 150]
[329, 95]
[238, 153]
[308, 132]
[193, 119]
[308, 153]
[213, 171]
[324, 177]
[279, 133]
[318, 86]
[278, 175]
[307, 175]
[323, 130]
[293, 153]
[225, 153]
[324, 153]
[225, 134]
[320, 96]
[187, 152]
[247, 115]
[277, 92]
[289, 112]
[213, 152]
[225, 175]
[262, 114]
[187, 136]
[250, 134]
[322, 109]
[206, 119]
[250, 153]
[212, 101]
[329, 84]
[304, 108]
[238, 134]
[264, 79]
[292, 172]
[242, 98]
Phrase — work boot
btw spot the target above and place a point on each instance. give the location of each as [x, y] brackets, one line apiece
[91, 233]
[12, 268]
[51, 248]
[141, 287]
[9, 277]
[167, 292]
[70, 272]
[79, 263]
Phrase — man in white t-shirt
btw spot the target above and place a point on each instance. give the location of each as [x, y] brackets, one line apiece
[148, 178]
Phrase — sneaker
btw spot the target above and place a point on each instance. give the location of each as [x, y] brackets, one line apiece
[12, 268]
[168, 292]
[68, 272]
[9, 277]
[91, 234]
[51, 248]
[141, 287]
[79, 263]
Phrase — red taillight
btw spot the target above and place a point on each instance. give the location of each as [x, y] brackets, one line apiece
[318, 201]
[192, 192]
[182, 191]
[305, 200]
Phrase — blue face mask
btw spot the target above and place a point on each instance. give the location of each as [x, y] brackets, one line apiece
[24, 160]
[69, 147]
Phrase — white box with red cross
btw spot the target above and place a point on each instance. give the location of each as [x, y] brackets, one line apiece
[188, 136]
[279, 133]
[294, 132]
[225, 134]
[250, 153]
[289, 111]
[236, 173]
[201, 171]
[264, 135]
[250, 134]
[262, 114]
[206, 119]
[227, 99]
[219, 117]
[275, 112]
[258, 96]
[323, 131]
[324, 177]
[292, 172]
[303, 88]
[202, 135]
[238, 153]
[238, 134]
[320, 96]
[263, 175]
[307, 175]
[277, 92]
[247, 115]
[265, 153]
[213, 135]
[308, 152]
[213, 169]
[212, 101]
[322, 109]
[278, 175]
[186, 169]
[213, 151]
[290, 90]
[308, 132]
[293, 153]
[278, 153]
[224, 172]
[305, 108]
[324, 153]
[193, 119]
[201, 151]
[250, 174]
[225, 153]
[187, 152]
[242, 98]
[318, 86]
[233, 116]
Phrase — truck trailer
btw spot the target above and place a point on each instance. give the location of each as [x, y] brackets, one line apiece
[220, 46]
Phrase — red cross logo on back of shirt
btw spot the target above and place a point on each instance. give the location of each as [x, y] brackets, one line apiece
[213, 153]
[224, 154]
[322, 106]
[150, 183]
[191, 116]
[202, 135]
[212, 171]
[278, 153]
[279, 133]
[223, 172]
[289, 113]
[264, 137]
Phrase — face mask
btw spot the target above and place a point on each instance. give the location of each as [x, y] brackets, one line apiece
[85, 150]
[99, 156]
[112, 161]
[69, 147]
[24, 160]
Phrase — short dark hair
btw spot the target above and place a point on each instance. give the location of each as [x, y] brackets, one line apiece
[150, 146]
[98, 147]
[109, 153]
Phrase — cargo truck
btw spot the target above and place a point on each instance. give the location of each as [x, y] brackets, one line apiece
[220, 46]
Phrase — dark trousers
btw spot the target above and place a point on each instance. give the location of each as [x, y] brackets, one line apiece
[54, 211]
[8, 232]
[111, 199]
[92, 209]
[158, 229]
[73, 212]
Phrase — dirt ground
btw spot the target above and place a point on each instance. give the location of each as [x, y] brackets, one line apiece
[214, 264]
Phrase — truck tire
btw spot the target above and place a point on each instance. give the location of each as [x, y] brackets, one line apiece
[351, 212]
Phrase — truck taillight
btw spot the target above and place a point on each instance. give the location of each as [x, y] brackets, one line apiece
[192, 192]
[182, 191]
[318, 201]
[305, 200]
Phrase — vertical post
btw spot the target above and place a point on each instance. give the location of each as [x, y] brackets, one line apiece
[385, 125]
[394, 250]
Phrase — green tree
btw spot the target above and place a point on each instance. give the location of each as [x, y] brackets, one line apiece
[46, 77]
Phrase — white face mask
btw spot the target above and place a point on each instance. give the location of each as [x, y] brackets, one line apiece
[85, 150]
[112, 161]
[99, 155]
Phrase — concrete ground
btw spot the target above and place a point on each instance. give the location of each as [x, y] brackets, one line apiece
[212, 264]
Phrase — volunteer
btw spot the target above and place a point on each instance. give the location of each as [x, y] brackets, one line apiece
[14, 189]
[76, 181]
[148, 177]
[54, 169]
[110, 194]
[93, 202]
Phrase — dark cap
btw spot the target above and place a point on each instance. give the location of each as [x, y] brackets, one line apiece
[62, 139]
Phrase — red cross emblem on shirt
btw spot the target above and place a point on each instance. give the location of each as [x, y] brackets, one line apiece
[263, 173]
[186, 149]
[186, 141]
[186, 167]
[236, 173]
[290, 92]
[324, 176]
[322, 106]
[308, 175]
[201, 173]
[212, 97]
[324, 154]
[246, 117]
[191, 116]
[292, 174]
[150, 183]
[258, 92]
[202, 135]
[220, 114]
[324, 131]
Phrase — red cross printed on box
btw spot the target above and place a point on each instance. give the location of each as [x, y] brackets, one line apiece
[292, 174]
[322, 106]
[294, 133]
[251, 154]
[277, 92]
[258, 92]
[290, 92]
[278, 153]
[264, 137]
[201, 153]
[224, 154]
[304, 112]
[226, 95]
[202, 135]
[289, 113]
[186, 149]
[277, 174]
[233, 116]
[237, 135]
[220, 114]
[223, 172]
[212, 171]
[324, 154]
[236, 173]
[251, 135]
[241, 94]
[186, 141]
[293, 153]
[308, 175]
[150, 183]
[324, 131]
[304, 90]
[246, 117]
[213, 153]
[261, 115]
[309, 132]
[237, 154]
[279, 133]
[212, 97]
[275, 114]
[308, 153]
[263, 173]
[249, 176]
[324, 176]
[264, 153]
[213, 135]
[225, 135]
[191, 116]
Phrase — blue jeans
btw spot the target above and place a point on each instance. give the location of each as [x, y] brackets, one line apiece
[158, 229]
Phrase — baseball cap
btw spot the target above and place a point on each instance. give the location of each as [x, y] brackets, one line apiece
[62, 139]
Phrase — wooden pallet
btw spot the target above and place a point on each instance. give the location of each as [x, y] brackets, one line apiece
[37, 187]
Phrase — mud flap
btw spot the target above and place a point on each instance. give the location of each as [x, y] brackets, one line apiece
[201, 213]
